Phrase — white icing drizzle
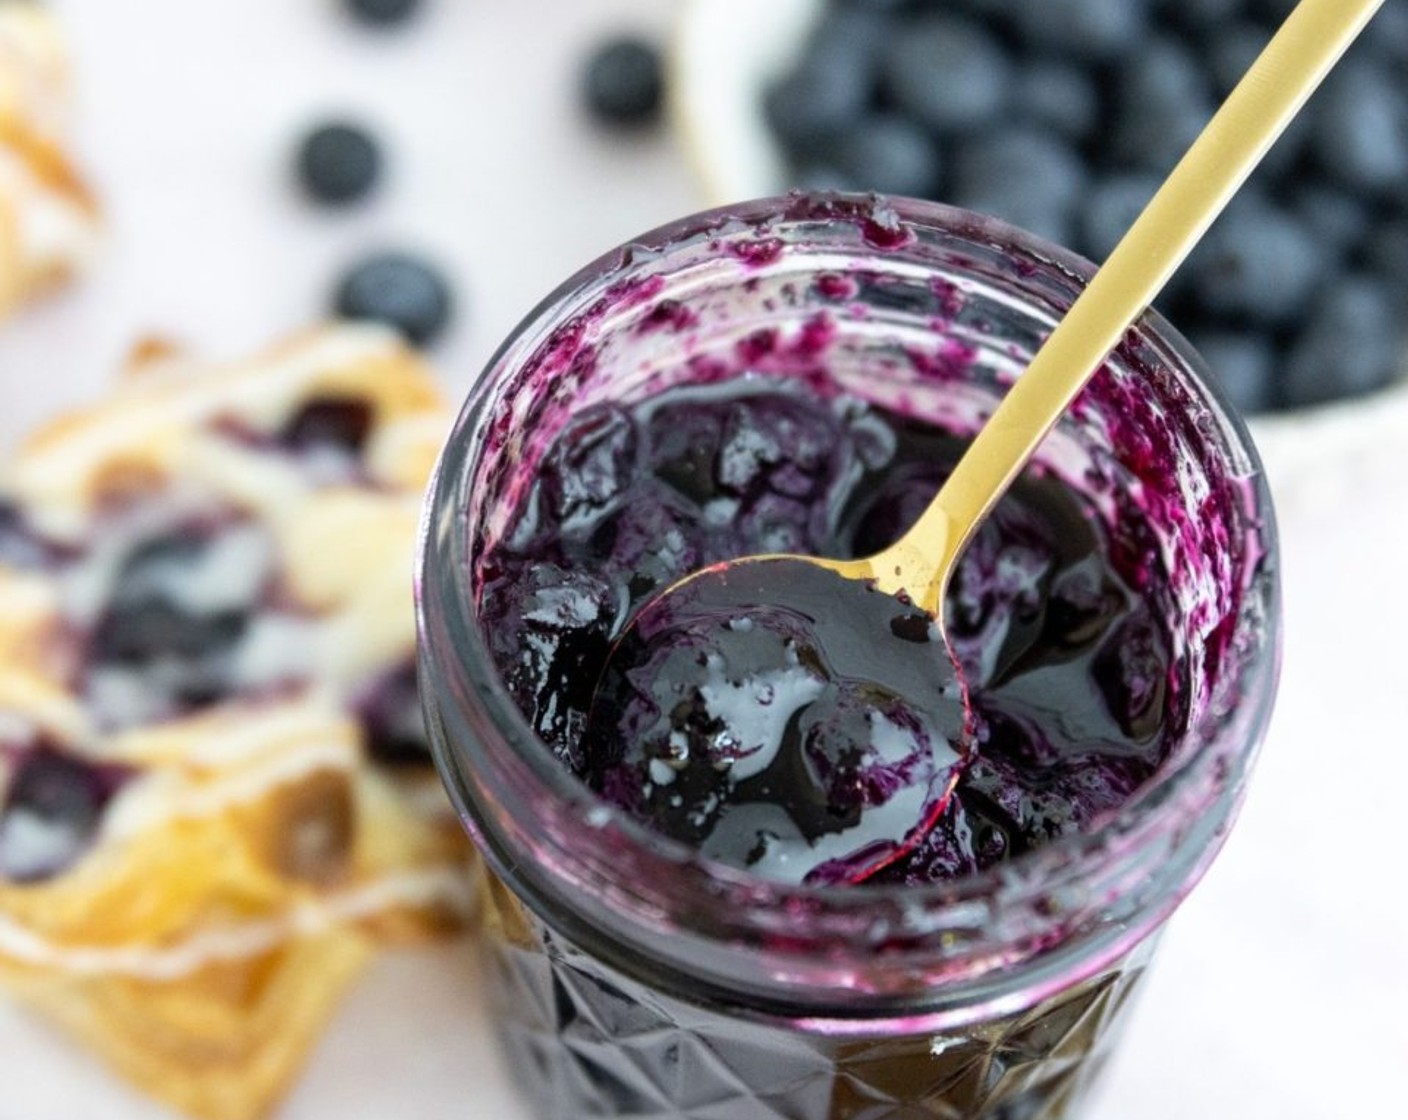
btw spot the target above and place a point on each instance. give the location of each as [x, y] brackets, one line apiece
[453, 888]
[162, 796]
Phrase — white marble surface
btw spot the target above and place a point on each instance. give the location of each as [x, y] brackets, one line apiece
[1281, 985]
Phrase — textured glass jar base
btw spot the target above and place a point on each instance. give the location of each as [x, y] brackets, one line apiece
[584, 1041]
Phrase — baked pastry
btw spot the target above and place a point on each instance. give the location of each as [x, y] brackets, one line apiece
[215, 796]
[48, 220]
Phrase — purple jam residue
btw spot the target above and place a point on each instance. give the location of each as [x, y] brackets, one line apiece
[1073, 689]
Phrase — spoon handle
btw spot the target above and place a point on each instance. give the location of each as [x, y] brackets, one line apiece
[1302, 52]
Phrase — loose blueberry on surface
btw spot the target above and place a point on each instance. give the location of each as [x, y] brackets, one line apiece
[399, 290]
[51, 811]
[623, 82]
[338, 163]
[947, 72]
[381, 13]
[1351, 345]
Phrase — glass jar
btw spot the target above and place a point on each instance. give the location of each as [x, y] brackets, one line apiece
[630, 977]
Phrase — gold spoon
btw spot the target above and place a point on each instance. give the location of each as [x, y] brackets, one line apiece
[1264, 102]
[917, 569]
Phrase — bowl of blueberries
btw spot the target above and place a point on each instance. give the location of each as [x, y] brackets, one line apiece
[1063, 117]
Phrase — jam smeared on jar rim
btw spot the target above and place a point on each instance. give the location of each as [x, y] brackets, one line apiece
[772, 738]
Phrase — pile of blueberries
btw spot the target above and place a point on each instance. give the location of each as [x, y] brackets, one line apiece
[1063, 116]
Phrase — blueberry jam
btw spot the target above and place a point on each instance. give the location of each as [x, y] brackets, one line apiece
[753, 723]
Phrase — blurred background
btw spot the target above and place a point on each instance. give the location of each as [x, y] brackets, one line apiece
[503, 167]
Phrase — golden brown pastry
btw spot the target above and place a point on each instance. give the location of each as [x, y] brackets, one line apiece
[48, 220]
[215, 797]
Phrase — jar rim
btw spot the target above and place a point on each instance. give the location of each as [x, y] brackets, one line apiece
[632, 899]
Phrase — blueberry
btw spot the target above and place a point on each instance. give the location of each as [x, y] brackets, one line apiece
[1132, 673]
[1361, 128]
[890, 154]
[1232, 51]
[1056, 94]
[1110, 209]
[1337, 219]
[1024, 176]
[1243, 364]
[1271, 12]
[1387, 252]
[381, 13]
[1083, 29]
[1200, 16]
[338, 163]
[948, 73]
[831, 86]
[1258, 261]
[1388, 34]
[623, 83]
[339, 423]
[1164, 99]
[591, 464]
[399, 290]
[51, 812]
[775, 446]
[652, 541]
[553, 628]
[1352, 344]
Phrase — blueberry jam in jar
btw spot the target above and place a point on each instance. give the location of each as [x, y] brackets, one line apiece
[767, 864]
